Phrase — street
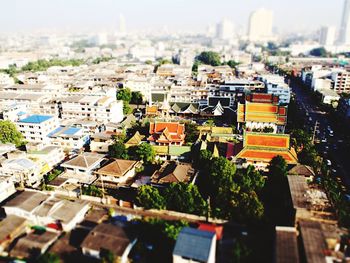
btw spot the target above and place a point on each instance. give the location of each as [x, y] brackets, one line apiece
[329, 143]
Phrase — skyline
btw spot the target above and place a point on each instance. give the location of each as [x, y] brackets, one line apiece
[64, 15]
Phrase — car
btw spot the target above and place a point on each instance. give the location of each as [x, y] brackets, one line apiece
[328, 162]
[324, 140]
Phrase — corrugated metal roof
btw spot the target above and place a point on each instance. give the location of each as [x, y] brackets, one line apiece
[194, 244]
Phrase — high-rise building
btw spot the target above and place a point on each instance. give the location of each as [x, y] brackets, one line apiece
[225, 29]
[260, 25]
[327, 35]
[344, 34]
[122, 25]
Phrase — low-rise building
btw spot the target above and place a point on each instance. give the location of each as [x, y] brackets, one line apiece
[117, 171]
[22, 170]
[167, 133]
[69, 138]
[44, 210]
[173, 172]
[203, 251]
[260, 148]
[36, 128]
[108, 237]
[33, 244]
[262, 111]
[81, 167]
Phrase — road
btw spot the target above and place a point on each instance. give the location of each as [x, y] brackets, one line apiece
[329, 143]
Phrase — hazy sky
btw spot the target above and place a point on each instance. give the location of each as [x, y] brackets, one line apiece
[291, 15]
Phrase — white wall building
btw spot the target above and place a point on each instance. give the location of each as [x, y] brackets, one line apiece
[36, 128]
[103, 109]
[344, 34]
[225, 30]
[327, 35]
[260, 25]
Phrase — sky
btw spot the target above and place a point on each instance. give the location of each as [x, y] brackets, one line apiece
[196, 15]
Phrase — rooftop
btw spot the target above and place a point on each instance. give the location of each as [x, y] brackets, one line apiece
[194, 244]
[36, 119]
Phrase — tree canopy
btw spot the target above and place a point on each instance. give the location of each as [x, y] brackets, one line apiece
[319, 52]
[278, 167]
[209, 58]
[150, 198]
[124, 94]
[145, 152]
[118, 150]
[136, 97]
[183, 197]
[192, 132]
[9, 133]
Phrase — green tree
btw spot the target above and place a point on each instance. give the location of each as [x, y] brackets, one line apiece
[319, 52]
[308, 156]
[232, 63]
[209, 58]
[136, 97]
[107, 256]
[195, 66]
[191, 131]
[221, 173]
[49, 258]
[145, 152]
[278, 167]
[249, 179]
[204, 158]
[126, 108]
[300, 139]
[124, 95]
[183, 197]
[10, 134]
[118, 150]
[150, 198]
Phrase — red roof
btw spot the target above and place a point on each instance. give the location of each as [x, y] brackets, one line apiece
[218, 230]
[167, 132]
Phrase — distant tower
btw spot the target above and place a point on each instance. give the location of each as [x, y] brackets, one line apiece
[327, 35]
[260, 25]
[224, 30]
[344, 34]
[122, 25]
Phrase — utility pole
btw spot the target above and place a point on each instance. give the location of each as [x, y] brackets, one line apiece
[314, 133]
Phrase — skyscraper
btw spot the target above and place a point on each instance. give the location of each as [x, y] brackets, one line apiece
[344, 34]
[260, 25]
[224, 29]
[122, 26]
[327, 35]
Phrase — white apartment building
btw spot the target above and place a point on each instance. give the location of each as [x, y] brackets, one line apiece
[21, 170]
[260, 25]
[327, 35]
[12, 111]
[36, 128]
[103, 109]
[275, 85]
[5, 79]
[139, 84]
[69, 138]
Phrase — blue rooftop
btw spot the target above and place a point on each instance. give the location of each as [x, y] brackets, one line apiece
[36, 119]
[194, 244]
[71, 131]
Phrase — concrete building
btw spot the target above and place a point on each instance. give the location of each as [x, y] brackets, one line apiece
[103, 109]
[344, 34]
[260, 25]
[327, 35]
[225, 30]
[36, 128]
[203, 251]
[341, 81]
